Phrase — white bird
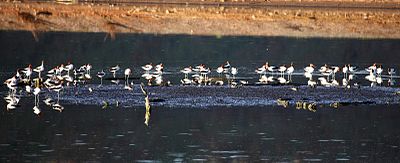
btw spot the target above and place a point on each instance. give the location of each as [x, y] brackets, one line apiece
[69, 67]
[282, 69]
[28, 71]
[101, 74]
[186, 71]
[114, 70]
[147, 67]
[372, 68]
[335, 69]
[309, 69]
[352, 69]
[127, 73]
[226, 66]
[234, 71]
[159, 68]
[379, 70]
[39, 69]
[391, 72]
[220, 70]
[345, 70]
[290, 71]
[36, 92]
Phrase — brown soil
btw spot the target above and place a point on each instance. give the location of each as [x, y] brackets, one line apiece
[276, 18]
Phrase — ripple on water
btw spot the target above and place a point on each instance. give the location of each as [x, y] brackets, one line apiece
[185, 133]
[78, 143]
[342, 159]
[176, 154]
[227, 152]
[268, 139]
[193, 146]
[199, 160]
[239, 156]
[312, 159]
[148, 161]
[4, 145]
[47, 150]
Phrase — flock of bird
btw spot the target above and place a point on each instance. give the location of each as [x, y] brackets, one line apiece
[66, 75]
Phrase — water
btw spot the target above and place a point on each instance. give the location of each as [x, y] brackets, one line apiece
[89, 133]
[270, 133]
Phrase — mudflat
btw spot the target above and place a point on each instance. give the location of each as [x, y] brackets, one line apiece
[334, 19]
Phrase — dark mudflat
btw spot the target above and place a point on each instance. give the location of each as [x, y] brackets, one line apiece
[207, 96]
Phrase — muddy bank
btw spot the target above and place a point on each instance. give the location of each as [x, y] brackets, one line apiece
[211, 96]
[274, 20]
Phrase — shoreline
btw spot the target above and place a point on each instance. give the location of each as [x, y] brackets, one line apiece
[223, 96]
[203, 21]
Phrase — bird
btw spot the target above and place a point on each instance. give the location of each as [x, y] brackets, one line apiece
[159, 68]
[101, 74]
[234, 72]
[282, 69]
[372, 68]
[127, 73]
[335, 69]
[36, 92]
[290, 71]
[391, 72]
[114, 70]
[39, 69]
[69, 67]
[345, 70]
[379, 70]
[147, 67]
[226, 66]
[186, 71]
[309, 69]
[27, 71]
[220, 70]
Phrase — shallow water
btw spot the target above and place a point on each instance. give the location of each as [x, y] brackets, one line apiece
[263, 133]
[89, 133]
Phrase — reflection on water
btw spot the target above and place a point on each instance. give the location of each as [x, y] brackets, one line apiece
[364, 133]
[87, 133]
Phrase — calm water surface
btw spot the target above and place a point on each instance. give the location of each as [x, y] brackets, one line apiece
[272, 134]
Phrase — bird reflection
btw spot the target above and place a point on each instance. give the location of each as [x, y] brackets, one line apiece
[147, 105]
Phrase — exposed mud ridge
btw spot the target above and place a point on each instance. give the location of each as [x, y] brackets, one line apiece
[294, 19]
[211, 96]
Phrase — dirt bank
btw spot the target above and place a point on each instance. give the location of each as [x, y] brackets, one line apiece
[307, 19]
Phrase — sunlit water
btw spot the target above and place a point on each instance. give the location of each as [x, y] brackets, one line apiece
[90, 133]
